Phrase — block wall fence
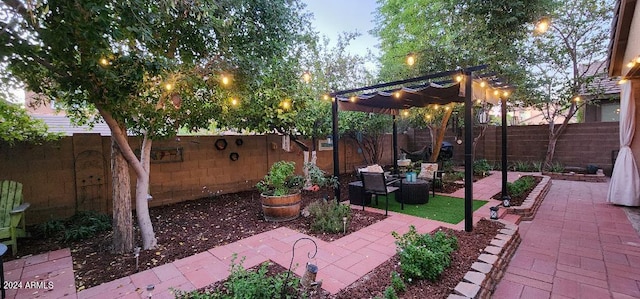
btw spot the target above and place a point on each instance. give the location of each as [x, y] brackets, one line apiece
[581, 144]
[73, 173]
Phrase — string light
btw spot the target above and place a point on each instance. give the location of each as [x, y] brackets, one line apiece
[104, 62]
[352, 99]
[396, 94]
[622, 81]
[225, 80]
[325, 97]
[168, 86]
[577, 99]
[459, 78]
[306, 77]
[286, 104]
[483, 84]
[405, 113]
[436, 106]
[234, 102]
[496, 92]
[411, 59]
[505, 93]
[428, 116]
[543, 25]
[631, 64]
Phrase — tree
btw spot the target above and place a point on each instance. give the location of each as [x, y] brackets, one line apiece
[148, 67]
[17, 126]
[446, 35]
[564, 62]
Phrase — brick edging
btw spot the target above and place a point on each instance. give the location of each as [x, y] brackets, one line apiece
[527, 210]
[486, 272]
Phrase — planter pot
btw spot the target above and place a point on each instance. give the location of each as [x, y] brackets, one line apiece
[281, 208]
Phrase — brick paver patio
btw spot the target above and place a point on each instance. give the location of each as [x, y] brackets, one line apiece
[578, 246]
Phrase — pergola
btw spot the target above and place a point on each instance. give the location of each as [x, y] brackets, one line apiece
[438, 88]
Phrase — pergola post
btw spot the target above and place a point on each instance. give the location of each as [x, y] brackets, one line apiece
[336, 164]
[468, 153]
[503, 109]
[395, 145]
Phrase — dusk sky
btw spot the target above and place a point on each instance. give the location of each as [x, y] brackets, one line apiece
[332, 17]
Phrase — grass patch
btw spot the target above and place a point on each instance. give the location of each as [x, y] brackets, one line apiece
[441, 208]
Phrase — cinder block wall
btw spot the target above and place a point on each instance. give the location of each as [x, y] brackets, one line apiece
[74, 173]
[580, 144]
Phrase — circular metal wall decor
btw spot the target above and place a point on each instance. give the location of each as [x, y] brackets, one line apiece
[239, 142]
[234, 156]
[221, 144]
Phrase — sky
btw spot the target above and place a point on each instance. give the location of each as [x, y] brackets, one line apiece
[331, 17]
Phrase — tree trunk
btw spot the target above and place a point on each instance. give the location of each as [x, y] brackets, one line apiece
[475, 140]
[551, 150]
[121, 189]
[443, 129]
[142, 198]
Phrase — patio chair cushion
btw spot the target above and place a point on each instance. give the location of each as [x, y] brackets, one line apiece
[375, 168]
[428, 171]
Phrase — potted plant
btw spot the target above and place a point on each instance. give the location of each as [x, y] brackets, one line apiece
[280, 192]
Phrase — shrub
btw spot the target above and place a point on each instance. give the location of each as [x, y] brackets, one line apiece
[537, 165]
[557, 167]
[243, 283]
[521, 186]
[328, 216]
[454, 176]
[397, 283]
[82, 225]
[424, 256]
[390, 293]
[521, 166]
[481, 167]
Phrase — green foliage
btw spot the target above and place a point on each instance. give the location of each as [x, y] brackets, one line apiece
[537, 165]
[424, 256]
[328, 216]
[82, 225]
[557, 167]
[318, 177]
[390, 293]
[367, 130]
[481, 167]
[453, 176]
[397, 283]
[281, 180]
[243, 283]
[17, 126]
[521, 186]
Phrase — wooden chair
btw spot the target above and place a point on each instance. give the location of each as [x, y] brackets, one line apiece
[12, 224]
[376, 184]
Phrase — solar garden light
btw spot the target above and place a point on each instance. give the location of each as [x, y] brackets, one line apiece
[493, 212]
[136, 253]
[149, 289]
[506, 201]
[344, 225]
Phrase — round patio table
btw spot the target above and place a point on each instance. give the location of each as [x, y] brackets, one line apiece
[414, 192]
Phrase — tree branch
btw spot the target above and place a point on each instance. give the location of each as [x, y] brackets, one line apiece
[120, 137]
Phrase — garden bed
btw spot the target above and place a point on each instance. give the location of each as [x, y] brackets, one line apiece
[527, 204]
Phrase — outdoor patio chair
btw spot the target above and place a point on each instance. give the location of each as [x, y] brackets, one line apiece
[376, 184]
[430, 172]
[12, 224]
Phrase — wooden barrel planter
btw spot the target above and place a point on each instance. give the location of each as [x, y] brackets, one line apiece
[281, 208]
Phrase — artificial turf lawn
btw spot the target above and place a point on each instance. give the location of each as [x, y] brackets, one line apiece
[441, 208]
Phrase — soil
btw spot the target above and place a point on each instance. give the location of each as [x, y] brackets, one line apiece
[518, 200]
[192, 227]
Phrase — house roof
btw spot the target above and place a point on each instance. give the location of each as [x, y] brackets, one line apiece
[62, 124]
[602, 84]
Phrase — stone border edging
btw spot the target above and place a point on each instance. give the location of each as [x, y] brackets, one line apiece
[527, 210]
[480, 281]
[593, 178]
